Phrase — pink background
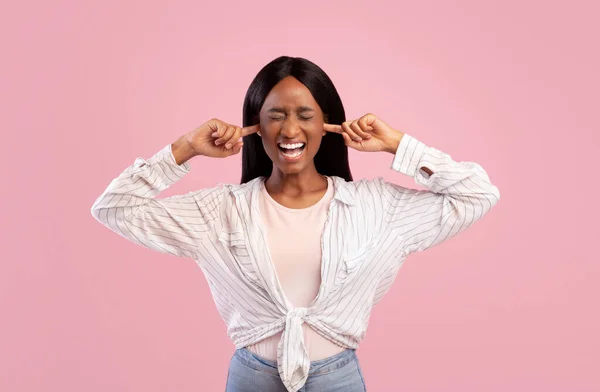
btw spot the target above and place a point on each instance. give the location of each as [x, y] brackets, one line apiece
[510, 305]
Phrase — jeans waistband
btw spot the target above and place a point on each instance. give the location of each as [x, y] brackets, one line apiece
[321, 366]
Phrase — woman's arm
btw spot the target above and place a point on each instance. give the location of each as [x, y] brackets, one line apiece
[458, 195]
[173, 225]
[129, 206]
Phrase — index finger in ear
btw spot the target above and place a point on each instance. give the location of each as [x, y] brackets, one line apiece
[250, 130]
[332, 128]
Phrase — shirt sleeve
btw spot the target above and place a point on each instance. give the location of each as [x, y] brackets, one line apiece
[458, 195]
[129, 206]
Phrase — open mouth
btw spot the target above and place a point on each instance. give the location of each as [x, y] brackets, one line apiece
[291, 150]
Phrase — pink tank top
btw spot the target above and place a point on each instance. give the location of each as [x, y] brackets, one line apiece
[294, 240]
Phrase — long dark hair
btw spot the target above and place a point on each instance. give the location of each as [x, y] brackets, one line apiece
[332, 157]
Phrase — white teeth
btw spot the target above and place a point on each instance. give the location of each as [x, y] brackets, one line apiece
[292, 155]
[291, 146]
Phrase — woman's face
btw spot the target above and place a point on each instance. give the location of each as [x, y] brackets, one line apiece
[291, 124]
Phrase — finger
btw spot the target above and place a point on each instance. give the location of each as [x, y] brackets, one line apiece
[234, 138]
[350, 132]
[364, 124]
[237, 147]
[215, 125]
[348, 140]
[218, 128]
[356, 128]
[335, 128]
[225, 136]
[250, 130]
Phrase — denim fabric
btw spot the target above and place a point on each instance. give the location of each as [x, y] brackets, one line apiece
[249, 372]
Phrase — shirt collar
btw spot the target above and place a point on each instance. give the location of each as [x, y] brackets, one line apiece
[343, 190]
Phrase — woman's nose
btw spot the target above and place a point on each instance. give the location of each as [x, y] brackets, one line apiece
[291, 128]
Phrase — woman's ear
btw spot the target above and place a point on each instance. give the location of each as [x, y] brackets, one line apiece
[326, 121]
[256, 120]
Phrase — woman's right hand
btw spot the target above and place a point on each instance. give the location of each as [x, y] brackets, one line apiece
[217, 139]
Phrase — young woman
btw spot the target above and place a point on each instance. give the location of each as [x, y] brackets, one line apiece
[297, 254]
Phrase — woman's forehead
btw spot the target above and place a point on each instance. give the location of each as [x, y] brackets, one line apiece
[290, 94]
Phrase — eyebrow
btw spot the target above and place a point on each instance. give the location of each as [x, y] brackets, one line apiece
[299, 109]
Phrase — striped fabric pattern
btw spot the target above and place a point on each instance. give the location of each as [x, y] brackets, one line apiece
[371, 227]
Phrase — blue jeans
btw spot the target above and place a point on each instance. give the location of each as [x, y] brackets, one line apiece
[250, 373]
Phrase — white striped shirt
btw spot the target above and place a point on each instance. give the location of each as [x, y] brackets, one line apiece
[371, 227]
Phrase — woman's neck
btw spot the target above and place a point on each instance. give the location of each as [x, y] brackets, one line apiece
[298, 189]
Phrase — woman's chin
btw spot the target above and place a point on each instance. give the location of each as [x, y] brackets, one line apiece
[292, 167]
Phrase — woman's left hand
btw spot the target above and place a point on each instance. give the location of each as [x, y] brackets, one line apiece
[368, 133]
